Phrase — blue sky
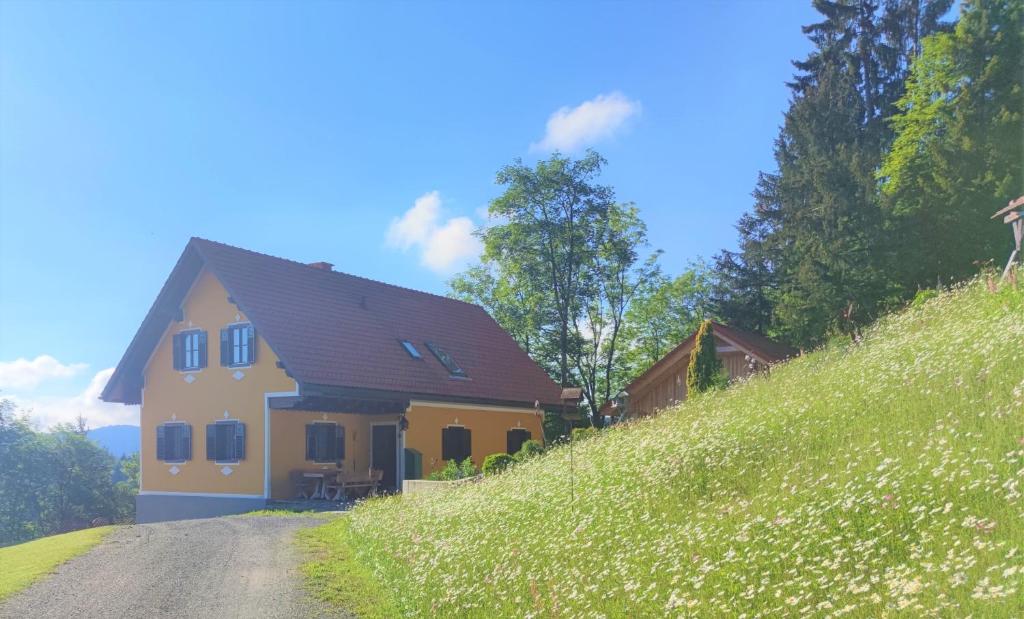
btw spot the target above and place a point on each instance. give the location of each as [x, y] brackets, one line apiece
[363, 135]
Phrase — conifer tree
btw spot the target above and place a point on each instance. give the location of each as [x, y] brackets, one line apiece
[815, 256]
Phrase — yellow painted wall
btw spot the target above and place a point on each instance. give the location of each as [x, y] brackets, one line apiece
[288, 445]
[168, 396]
[488, 427]
[204, 401]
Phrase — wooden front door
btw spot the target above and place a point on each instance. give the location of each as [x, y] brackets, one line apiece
[385, 455]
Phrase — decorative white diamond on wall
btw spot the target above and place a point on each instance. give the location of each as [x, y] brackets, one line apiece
[238, 375]
[189, 378]
[227, 470]
[174, 470]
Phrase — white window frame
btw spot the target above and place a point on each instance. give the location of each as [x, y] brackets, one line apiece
[232, 421]
[235, 328]
[191, 339]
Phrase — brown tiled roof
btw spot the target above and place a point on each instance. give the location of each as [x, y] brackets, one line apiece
[336, 330]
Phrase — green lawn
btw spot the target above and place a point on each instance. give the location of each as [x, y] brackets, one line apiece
[875, 479]
[23, 564]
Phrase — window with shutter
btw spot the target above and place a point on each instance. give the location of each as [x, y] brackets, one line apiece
[238, 345]
[174, 442]
[456, 443]
[225, 441]
[325, 442]
[190, 350]
[514, 440]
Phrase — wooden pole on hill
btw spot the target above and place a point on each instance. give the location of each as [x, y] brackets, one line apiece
[571, 396]
[1013, 214]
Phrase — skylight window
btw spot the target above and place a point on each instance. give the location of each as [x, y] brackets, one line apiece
[446, 360]
[409, 348]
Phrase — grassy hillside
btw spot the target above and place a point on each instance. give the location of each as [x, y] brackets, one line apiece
[23, 564]
[876, 479]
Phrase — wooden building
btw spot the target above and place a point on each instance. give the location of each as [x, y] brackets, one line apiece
[664, 383]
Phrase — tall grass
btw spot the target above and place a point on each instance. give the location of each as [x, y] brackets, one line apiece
[881, 478]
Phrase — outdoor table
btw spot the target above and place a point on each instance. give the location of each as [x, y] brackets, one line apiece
[319, 493]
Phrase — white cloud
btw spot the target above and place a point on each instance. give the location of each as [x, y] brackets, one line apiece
[450, 244]
[417, 224]
[570, 129]
[25, 374]
[442, 245]
[48, 411]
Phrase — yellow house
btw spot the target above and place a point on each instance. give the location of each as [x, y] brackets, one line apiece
[251, 370]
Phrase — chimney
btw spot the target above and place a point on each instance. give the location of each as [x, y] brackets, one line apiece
[323, 266]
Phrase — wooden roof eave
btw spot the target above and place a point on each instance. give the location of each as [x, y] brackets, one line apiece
[744, 349]
[333, 392]
[126, 383]
[1016, 203]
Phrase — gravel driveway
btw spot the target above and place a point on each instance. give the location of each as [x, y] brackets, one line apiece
[219, 567]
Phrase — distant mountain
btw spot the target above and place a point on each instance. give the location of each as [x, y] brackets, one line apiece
[118, 440]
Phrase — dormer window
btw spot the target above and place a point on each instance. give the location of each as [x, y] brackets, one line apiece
[446, 360]
[411, 349]
[237, 345]
[189, 350]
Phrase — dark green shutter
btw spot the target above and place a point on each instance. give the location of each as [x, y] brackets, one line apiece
[311, 441]
[447, 443]
[467, 444]
[252, 345]
[202, 349]
[339, 442]
[185, 450]
[239, 441]
[225, 347]
[211, 441]
[161, 443]
[177, 345]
